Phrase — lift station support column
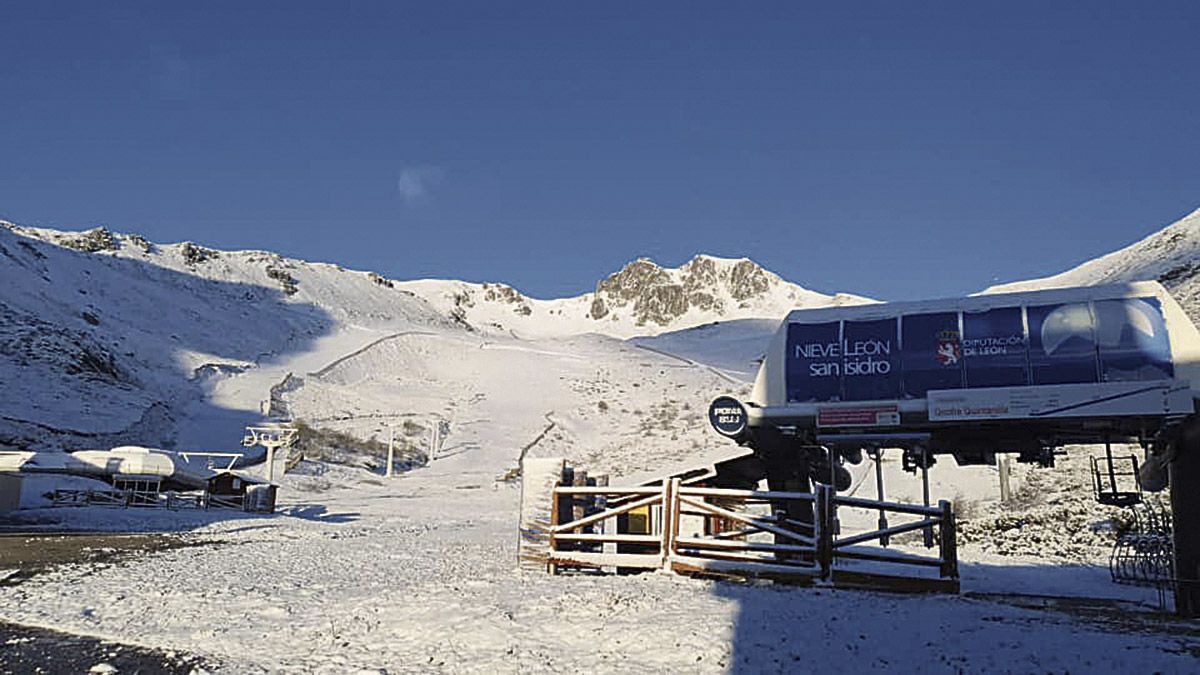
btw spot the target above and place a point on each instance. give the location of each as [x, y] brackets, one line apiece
[1185, 520]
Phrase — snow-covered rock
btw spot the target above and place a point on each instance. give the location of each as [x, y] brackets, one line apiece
[641, 299]
[1171, 255]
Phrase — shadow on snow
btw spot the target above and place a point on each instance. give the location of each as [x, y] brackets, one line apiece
[1019, 618]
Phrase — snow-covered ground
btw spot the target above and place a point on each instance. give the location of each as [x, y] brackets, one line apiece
[735, 347]
[355, 574]
[418, 574]
[182, 346]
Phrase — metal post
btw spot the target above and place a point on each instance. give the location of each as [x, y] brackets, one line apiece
[925, 492]
[1185, 515]
[270, 460]
[1004, 466]
[824, 529]
[949, 542]
[606, 526]
[883, 521]
[579, 506]
[1112, 472]
[391, 450]
[835, 527]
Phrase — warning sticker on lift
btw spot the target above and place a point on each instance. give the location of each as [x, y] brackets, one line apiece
[860, 416]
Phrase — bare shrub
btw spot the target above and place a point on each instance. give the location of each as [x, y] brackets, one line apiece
[338, 447]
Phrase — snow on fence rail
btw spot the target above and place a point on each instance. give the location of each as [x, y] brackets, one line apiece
[724, 532]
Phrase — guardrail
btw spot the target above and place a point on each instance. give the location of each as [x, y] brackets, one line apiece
[170, 499]
[119, 498]
[725, 532]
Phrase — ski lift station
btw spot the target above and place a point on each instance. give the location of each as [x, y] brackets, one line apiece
[1023, 373]
[1019, 373]
[150, 477]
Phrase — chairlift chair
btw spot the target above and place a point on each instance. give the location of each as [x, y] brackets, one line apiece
[1112, 478]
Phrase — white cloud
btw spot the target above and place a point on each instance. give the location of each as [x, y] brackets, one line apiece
[416, 181]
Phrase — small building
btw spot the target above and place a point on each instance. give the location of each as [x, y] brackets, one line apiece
[229, 488]
[227, 483]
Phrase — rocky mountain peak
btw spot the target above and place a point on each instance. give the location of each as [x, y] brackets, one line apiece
[654, 295]
[642, 298]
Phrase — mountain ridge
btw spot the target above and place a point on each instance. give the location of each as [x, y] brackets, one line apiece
[642, 298]
[1170, 256]
[107, 338]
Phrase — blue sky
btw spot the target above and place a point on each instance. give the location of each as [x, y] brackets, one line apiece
[896, 150]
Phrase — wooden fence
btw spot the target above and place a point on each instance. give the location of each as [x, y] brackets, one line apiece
[725, 532]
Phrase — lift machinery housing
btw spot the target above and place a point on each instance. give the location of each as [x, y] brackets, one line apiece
[1024, 373]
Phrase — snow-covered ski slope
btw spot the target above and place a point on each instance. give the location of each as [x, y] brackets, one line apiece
[1171, 255]
[109, 339]
[734, 347]
[161, 345]
[608, 404]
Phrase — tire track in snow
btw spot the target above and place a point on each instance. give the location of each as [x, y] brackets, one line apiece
[277, 404]
[361, 350]
[715, 371]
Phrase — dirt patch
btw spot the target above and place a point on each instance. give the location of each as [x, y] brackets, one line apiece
[37, 650]
[25, 555]
[24, 649]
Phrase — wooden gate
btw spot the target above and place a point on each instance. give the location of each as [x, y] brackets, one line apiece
[724, 532]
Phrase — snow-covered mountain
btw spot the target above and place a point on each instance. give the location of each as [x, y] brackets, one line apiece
[108, 338]
[639, 300]
[1171, 255]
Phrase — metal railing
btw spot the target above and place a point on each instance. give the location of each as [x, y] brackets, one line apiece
[169, 499]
